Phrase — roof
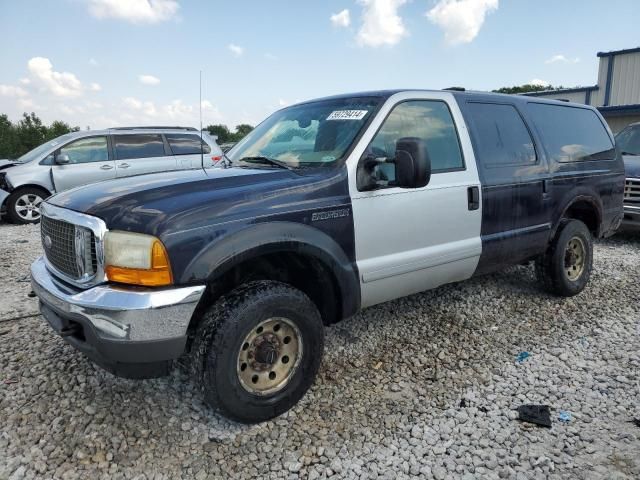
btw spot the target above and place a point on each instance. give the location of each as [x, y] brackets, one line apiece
[384, 94]
[562, 90]
[619, 52]
[619, 110]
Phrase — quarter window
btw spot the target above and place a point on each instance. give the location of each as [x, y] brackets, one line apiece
[87, 150]
[502, 137]
[185, 144]
[572, 134]
[138, 146]
[429, 120]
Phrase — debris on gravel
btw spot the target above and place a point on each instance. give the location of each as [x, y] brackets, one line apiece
[423, 387]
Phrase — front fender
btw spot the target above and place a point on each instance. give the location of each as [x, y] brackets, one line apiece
[222, 254]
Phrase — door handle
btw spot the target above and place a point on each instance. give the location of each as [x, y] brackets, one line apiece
[106, 167]
[123, 165]
[473, 197]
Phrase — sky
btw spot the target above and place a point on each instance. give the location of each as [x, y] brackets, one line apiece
[107, 63]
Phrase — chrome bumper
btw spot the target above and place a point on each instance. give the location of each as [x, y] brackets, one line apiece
[119, 313]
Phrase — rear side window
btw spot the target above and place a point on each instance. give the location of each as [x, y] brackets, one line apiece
[185, 144]
[502, 136]
[571, 134]
[138, 146]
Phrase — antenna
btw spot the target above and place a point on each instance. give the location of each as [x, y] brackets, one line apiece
[201, 139]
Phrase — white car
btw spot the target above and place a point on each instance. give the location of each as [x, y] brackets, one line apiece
[79, 158]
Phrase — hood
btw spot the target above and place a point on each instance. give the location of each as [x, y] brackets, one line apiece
[182, 200]
[6, 163]
[632, 165]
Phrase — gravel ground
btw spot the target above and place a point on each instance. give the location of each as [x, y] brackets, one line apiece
[420, 387]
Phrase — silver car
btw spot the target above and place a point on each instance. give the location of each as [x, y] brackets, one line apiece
[84, 157]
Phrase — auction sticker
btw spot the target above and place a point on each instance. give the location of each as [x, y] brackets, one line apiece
[347, 114]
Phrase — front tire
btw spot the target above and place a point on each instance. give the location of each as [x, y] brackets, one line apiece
[565, 268]
[258, 350]
[23, 205]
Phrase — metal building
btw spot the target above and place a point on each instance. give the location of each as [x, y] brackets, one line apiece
[617, 93]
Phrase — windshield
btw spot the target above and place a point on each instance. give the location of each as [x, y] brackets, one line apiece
[37, 152]
[628, 140]
[308, 135]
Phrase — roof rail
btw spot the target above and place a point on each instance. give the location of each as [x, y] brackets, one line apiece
[456, 89]
[191, 129]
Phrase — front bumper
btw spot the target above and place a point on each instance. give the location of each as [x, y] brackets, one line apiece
[631, 220]
[131, 332]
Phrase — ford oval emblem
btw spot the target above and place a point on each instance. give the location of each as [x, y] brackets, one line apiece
[47, 242]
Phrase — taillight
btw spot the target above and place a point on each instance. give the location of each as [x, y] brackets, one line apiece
[215, 160]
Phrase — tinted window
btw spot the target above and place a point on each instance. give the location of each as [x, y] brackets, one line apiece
[502, 137]
[628, 140]
[85, 150]
[138, 146]
[185, 144]
[571, 134]
[429, 120]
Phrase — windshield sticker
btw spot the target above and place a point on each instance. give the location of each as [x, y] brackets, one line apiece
[347, 114]
[328, 158]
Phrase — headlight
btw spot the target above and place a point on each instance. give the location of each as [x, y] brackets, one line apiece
[136, 259]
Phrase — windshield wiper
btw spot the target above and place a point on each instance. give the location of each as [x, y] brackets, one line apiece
[630, 154]
[271, 161]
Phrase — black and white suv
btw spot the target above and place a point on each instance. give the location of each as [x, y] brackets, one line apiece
[327, 207]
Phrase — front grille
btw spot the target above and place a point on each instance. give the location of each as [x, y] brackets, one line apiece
[632, 191]
[69, 248]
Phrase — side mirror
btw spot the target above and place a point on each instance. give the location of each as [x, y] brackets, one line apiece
[62, 159]
[413, 165]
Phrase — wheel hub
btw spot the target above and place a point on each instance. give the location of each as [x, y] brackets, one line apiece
[574, 258]
[269, 356]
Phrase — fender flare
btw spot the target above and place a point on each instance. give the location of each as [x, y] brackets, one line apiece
[253, 241]
[581, 197]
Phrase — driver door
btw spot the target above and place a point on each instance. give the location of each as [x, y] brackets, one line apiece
[89, 162]
[413, 239]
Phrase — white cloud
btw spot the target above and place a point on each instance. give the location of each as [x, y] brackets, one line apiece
[461, 20]
[561, 59]
[341, 19]
[283, 103]
[381, 24]
[135, 11]
[25, 81]
[95, 87]
[541, 83]
[61, 84]
[235, 49]
[28, 104]
[12, 91]
[148, 80]
[93, 62]
[147, 108]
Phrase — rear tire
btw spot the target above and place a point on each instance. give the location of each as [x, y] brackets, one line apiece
[23, 205]
[565, 268]
[257, 351]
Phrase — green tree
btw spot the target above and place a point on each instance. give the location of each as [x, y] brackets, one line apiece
[526, 88]
[8, 138]
[241, 131]
[58, 128]
[220, 131]
[17, 139]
